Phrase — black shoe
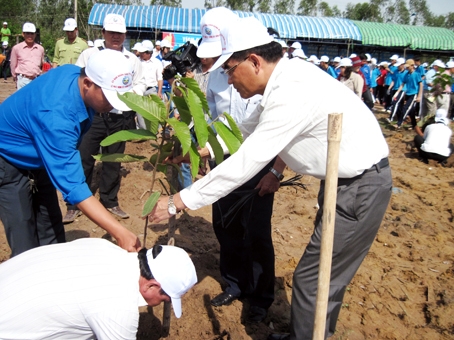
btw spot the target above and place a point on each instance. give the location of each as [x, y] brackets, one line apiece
[223, 299]
[256, 314]
[279, 336]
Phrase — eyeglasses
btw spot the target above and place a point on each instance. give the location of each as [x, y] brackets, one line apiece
[230, 70]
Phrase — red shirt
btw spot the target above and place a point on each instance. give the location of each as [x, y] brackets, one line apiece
[381, 78]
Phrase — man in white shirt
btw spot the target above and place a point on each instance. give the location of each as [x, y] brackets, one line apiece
[107, 123]
[88, 289]
[295, 128]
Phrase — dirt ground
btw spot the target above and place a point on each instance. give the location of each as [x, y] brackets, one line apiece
[403, 290]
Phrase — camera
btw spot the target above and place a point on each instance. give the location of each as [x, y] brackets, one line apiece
[183, 59]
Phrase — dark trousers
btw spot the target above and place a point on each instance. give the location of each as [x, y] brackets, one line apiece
[103, 126]
[408, 109]
[419, 140]
[367, 97]
[360, 207]
[246, 246]
[31, 218]
[396, 105]
[381, 93]
[5, 69]
[389, 97]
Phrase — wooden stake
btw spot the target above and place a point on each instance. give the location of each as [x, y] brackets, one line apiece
[329, 214]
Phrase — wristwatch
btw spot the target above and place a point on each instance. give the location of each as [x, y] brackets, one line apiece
[277, 174]
[172, 209]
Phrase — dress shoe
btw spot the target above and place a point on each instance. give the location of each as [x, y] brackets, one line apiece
[256, 314]
[279, 336]
[118, 212]
[223, 299]
[71, 215]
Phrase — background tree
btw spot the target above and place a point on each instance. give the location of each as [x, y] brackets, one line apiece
[364, 12]
[307, 7]
[397, 12]
[170, 3]
[325, 10]
[284, 6]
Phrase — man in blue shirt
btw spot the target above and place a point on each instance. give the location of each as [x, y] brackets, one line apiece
[41, 127]
[324, 65]
[388, 80]
[365, 69]
[413, 93]
[398, 77]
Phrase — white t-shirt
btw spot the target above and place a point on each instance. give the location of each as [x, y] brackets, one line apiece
[85, 289]
[152, 70]
[436, 139]
[291, 121]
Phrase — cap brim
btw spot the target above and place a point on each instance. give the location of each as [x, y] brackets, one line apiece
[176, 304]
[113, 99]
[69, 29]
[222, 59]
[209, 49]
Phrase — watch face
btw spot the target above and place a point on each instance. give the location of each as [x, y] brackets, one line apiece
[172, 210]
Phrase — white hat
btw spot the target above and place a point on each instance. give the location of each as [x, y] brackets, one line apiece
[173, 269]
[313, 58]
[394, 57]
[425, 65]
[90, 43]
[166, 43]
[111, 71]
[373, 61]
[353, 55]
[296, 44]
[146, 45]
[299, 53]
[158, 43]
[400, 61]
[438, 63]
[114, 23]
[337, 59]
[99, 43]
[450, 64]
[29, 27]
[136, 46]
[5, 23]
[283, 43]
[70, 25]
[344, 63]
[5, 43]
[324, 58]
[243, 34]
[211, 25]
[441, 116]
[368, 56]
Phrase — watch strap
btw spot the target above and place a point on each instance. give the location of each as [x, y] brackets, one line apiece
[277, 174]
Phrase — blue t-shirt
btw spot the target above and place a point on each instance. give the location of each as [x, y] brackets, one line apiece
[412, 81]
[41, 126]
[421, 70]
[365, 69]
[375, 74]
[331, 72]
[389, 76]
[398, 78]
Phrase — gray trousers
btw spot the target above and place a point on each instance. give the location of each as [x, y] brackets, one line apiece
[361, 205]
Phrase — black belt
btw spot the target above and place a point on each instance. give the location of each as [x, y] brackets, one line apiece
[446, 92]
[384, 162]
[152, 87]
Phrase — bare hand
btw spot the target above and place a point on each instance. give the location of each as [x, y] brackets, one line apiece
[160, 211]
[268, 184]
[128, 241]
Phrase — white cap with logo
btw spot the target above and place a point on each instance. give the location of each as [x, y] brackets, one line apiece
[112, 72]
[70, 25]
[211, 25]
[240, 35]
[114, 23]
[146, 45]
[29, 28]
[174, 270]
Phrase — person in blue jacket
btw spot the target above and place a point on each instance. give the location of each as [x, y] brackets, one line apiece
[41, 127]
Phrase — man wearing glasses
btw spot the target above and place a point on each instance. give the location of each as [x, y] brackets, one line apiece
[293, 126]
[88, 289]
[26, 57]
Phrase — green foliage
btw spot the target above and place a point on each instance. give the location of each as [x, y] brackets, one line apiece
[307, 7]
[440, 82]
[150, 203]
[128, 135]
[119, 157]
[233, 144]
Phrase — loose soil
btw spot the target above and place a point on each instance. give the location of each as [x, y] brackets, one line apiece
[403, 290]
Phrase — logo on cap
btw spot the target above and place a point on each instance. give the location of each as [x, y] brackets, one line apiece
[126, 80]
[208, 31]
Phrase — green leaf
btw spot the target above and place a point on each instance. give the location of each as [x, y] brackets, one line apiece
[163, 155]
[194, 156]
[151, 108]
[181, 132]
[233, 144]
[119, 157]
[194, 86]
[127, 135]
[216, 146]
[198, 115]
[183, 109]
[235, 129]
[150, 203]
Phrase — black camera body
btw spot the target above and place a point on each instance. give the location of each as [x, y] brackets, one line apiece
[183, 59]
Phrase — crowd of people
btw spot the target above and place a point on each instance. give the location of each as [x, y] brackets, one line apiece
[48, 143]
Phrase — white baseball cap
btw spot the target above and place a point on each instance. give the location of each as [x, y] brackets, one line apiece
[352, 55]
[70, 25]
[324, 58]
[337, 59]
[400, 61]
[313, 58]
[29, 27]
[296, 44]
[243, 34]
[173, 269]
[368, 56]
[283, 43]
[450, 64]
[5, 43]
[345, 62]
[166, 43]
[299, 53]
[98, 43]
[111, 71]
[5, 23]
[394, 57]
[90, 43]
[136, 46]
[114, 23]
[441, 116]
[146, 45]
[210, 26]
[439, 63]
[373, 61]
[158, 43]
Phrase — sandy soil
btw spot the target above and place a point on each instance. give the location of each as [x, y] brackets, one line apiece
[403, 290]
